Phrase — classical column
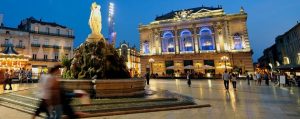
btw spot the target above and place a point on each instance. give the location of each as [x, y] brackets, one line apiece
[176, 41]
[195, 39]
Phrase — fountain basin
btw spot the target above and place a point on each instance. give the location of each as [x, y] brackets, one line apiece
[107, 88]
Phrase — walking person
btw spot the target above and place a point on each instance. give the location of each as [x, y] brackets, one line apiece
[248, 79]
[266, 78]
[6, 78]
[233, 81]
[147, 77]
[255, 78]
[10, 76]
[226, 77]
[259, 78]
[189, 82]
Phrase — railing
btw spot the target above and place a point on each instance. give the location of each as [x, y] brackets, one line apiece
[46, 60]
[35, 45]
[56, 47]
[20, 46]
[47, 46]
[68, 48]
[53, 34]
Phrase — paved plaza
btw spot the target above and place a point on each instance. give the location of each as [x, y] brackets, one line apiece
[248, 102]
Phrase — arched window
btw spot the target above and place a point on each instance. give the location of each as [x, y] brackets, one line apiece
[186, 41]
[237, 42]
[146, 47]
[206, 41]
[168, 44]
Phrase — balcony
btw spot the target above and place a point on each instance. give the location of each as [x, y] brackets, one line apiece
[67, 48]
[47, 46]
[56, 47]
[35, 45]
[46, 60]
[20, 46]
[53, 34]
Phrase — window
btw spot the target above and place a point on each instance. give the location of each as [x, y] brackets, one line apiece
[57, 31]
[20, 43]
[186, 41]
[45, 56]
[36, 29]
[48, 30]
[209, 62]
[168, 44]
[34, 56]
[146, 49]
[206, 39]
[56, 56]
[46, 42]
[237, 42]
[286, 60]
[35, 41]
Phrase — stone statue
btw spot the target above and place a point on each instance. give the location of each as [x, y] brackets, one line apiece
[95, 23]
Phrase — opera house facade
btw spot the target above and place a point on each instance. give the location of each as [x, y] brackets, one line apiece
[203, 40]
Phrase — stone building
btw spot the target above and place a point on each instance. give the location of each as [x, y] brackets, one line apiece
[196, 40]
[45, 42]
[132, 58]
[285, 51]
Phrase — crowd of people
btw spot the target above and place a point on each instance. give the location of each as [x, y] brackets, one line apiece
[22, 75]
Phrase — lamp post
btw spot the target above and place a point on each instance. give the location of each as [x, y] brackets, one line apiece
[151, 60]
[225, 59]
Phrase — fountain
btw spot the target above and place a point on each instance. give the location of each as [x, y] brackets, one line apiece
[96, 59]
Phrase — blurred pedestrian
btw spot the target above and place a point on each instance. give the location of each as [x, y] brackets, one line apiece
[6, 78]
[259, 78]
[226, 77]
[266, 78]
[248, 79]
[189, 82]
[233, 80]
[147, 77]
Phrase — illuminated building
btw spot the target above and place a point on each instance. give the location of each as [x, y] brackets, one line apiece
[195, 40]
[46, 43]
[132, 58]
[285, 53]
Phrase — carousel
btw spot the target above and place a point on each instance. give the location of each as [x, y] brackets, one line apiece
[12, 60]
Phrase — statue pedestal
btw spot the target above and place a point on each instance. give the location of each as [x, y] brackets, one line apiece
[92, 38]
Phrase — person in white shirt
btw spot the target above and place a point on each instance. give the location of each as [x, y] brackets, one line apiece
[226, 77]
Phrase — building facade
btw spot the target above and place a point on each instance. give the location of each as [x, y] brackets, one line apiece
[46, 43]
[132, 58]
[196, 40]
[285, 52]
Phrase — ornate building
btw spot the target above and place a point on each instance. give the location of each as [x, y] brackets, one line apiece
[132, 58]
[196, 40]
[46, 43]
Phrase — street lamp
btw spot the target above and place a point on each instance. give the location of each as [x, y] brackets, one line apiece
[225, 59]
[151, 60]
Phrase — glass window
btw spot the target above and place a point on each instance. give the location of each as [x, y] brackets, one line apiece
[56, 56]
[186, 41]
[188, 62]
[168, 44]
[286, 60]
[45, 56]
[57, 31]
[206, 39]
[48, 30]
[36, 29]
[146, 48]
[237, 42]
[33, 56]
[169, 63]
[35, 41]
[20, 43]
[46, 42]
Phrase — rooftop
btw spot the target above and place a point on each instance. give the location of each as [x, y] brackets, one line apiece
[172, 14]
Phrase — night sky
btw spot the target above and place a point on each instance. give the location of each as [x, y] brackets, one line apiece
[266, 18]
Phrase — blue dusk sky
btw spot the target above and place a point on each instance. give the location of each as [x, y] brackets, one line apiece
[266, 18]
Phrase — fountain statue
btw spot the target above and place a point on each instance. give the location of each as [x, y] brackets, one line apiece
[95, 57]
[95, 23]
